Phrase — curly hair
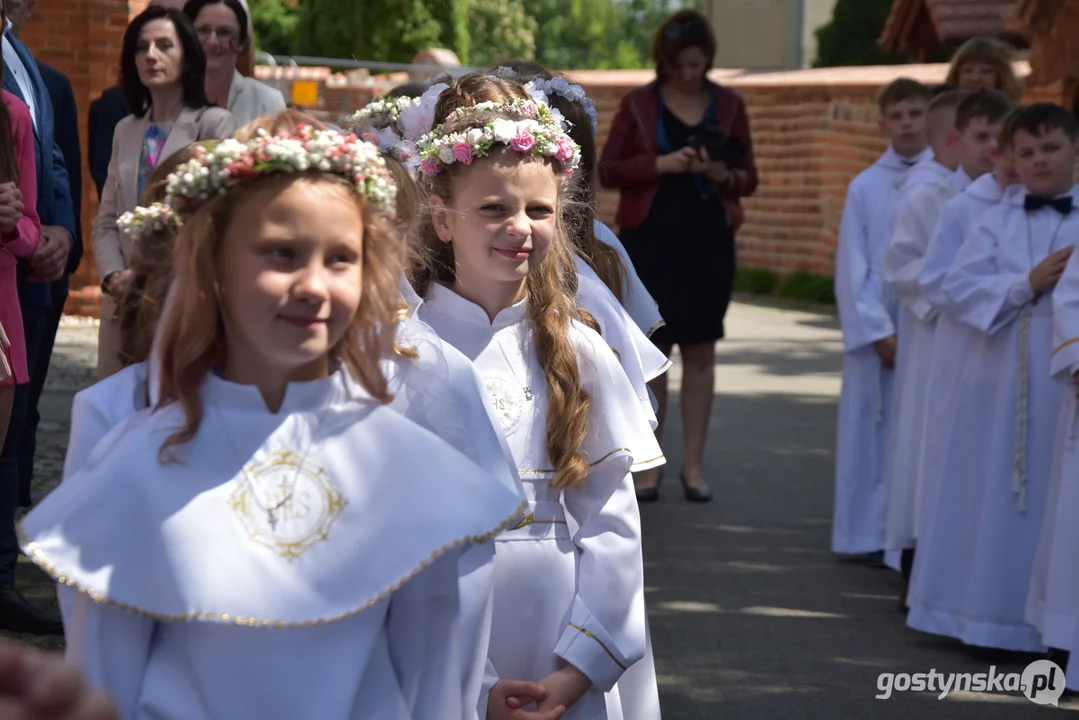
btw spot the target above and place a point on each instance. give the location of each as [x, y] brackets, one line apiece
[600, 256]
[550, 290]
[193, 336]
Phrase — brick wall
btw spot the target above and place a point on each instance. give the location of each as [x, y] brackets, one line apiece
[813, 130]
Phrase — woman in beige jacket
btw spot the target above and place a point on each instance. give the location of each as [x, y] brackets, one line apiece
[162, 72]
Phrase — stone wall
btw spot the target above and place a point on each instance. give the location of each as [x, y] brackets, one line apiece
[813, 130]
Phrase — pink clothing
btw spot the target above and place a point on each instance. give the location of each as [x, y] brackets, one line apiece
[21, 242]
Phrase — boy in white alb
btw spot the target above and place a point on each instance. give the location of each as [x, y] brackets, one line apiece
[954, 449]
[914, 216]
[962, 131]
[1001, 285]
[867, 313]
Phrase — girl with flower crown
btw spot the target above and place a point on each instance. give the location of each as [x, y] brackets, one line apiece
[268, 502]
[569, 601]
[640, 359]
[596, 244]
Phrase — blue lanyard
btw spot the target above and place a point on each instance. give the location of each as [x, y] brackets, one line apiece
[665, 147]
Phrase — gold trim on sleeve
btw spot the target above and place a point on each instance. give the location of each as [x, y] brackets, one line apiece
[530, 519]
[655, 326]
[39, 559]
[597, 462]
[1063, 345]
[607, 650]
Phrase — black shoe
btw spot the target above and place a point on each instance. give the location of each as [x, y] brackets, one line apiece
[875, 559]
[696, 495]
[19, 616]
[649, 495]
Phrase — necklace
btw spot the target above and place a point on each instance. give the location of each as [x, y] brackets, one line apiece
[524, 385]
[289, 487]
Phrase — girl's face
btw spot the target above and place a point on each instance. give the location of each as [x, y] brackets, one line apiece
[501, 223]
[218, 29]
[974, 76]
[291, 277]
[159, 56]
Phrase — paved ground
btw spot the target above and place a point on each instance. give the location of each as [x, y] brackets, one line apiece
[752, 617]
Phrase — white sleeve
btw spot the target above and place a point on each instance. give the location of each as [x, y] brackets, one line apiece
[906, 252]
[476, 568]
[606, 630]
[1064, 362]
[110, 648]
[424, 638]
[981, 295]
[939, 256]
[858, 287]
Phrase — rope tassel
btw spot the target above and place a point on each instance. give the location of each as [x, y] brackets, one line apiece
[1022, 410]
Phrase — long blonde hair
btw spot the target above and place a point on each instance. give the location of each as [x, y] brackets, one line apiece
[993, 52]
[550, 290]
[193, 336]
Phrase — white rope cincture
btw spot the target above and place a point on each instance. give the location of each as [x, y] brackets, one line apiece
[1022, 409]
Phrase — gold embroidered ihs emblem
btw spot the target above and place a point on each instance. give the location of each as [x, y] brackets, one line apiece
[286, 504]
[507, 400]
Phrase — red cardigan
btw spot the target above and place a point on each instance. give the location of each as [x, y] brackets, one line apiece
[628, 162]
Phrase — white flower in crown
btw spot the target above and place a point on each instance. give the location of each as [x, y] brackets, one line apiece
[383, 111]
[418, 119]
[563, 87]
[530, 129]
[148, 220]
[232, 162]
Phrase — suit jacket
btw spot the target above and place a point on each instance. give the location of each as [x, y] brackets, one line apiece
[121, 192]
[250, 99]
[66, 134]
[628, 162]
[53, 190]
[105, 113]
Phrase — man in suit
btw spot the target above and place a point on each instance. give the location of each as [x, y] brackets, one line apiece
[105, 113]
[66, 135]
[22, 77]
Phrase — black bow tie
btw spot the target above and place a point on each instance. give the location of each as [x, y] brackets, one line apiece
[910, 163]
[1062, 205]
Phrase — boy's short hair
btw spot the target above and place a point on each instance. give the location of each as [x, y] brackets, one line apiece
[947, 100]
[902, 89]
[941, 89]
[992, 105]
[1038, 119]
[1006, 137]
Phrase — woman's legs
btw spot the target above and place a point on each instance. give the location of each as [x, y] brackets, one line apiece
[7, 397]
[650, 478]
[698, 386]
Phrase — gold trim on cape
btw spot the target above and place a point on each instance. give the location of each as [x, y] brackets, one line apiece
[38, 558]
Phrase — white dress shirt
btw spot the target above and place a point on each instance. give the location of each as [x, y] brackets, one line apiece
[22, 76]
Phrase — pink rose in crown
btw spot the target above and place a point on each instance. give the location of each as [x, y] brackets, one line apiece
[462, 152]
[565, 149]
[429, 167]
[523, 142]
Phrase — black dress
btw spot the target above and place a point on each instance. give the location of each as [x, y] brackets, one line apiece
[684, 250]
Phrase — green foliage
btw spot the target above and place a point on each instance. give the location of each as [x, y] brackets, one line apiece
[851, 37]
[800, 286]
[562, 34]
[275, 25]
[501, 29]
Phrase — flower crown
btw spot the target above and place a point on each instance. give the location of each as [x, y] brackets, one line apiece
[382, 112]
[540, 89]
[144, 221]
[535, 132]
[232, 162]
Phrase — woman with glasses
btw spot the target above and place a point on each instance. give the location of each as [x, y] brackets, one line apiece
[679, 152]
[162, 73]
[224, 29]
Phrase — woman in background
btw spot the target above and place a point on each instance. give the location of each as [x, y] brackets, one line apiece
[680, 154]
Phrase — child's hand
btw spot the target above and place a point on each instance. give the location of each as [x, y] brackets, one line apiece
[36, 686]
[886, 349]
[564, 687]
[509, 698]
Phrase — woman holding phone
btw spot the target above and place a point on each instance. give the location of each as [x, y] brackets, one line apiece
[680, 153]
